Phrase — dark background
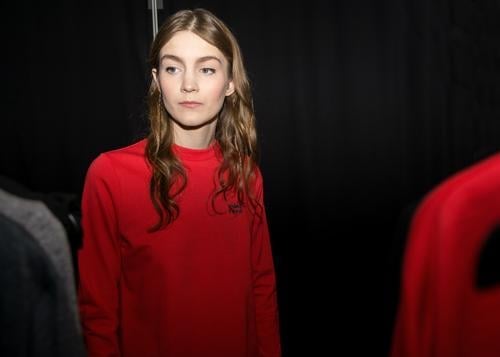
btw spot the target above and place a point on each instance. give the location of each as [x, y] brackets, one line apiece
[362, 108]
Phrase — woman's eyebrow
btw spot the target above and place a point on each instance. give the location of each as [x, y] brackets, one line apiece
[208, 58]
[198, 60]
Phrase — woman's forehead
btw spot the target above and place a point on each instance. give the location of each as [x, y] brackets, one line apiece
[188, 46]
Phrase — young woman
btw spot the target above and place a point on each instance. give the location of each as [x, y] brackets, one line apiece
[176, 257]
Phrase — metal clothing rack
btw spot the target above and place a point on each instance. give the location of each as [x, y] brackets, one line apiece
[154, 6]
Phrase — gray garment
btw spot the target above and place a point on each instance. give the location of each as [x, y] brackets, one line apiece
[48, 231]
[33, 316]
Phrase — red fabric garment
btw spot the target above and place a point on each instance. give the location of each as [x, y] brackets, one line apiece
[204, 286]
[441, 311]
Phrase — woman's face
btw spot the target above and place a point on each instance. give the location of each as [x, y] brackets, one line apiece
[193, 79]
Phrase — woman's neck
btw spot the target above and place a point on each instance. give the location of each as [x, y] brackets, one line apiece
[198, 138]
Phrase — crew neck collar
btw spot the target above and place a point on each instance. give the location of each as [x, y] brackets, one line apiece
[191, 154]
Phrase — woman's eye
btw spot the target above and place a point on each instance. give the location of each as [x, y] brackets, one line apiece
[172, 70]
[207, 70]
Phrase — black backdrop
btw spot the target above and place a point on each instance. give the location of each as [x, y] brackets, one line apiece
[362, 108]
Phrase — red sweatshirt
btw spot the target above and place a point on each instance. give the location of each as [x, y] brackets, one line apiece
[442, 312]
[203, 286]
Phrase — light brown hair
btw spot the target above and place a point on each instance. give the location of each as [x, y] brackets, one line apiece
[235, 130]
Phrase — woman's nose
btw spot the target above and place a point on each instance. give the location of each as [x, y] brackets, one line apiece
[189, 84]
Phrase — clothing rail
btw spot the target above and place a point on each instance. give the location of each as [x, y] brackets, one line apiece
[154, 6]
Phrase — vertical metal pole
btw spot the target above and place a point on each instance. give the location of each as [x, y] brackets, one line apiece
[154, 14]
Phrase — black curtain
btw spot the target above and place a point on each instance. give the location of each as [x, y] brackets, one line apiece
[362, 108]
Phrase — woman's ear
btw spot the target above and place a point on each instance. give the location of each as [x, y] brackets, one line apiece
[230, 88]
[154, 73]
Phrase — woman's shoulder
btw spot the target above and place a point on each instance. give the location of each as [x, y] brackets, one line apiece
[135, 149]
[116, 160]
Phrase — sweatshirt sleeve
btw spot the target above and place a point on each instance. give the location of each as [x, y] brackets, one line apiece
[99, 260]
[264, 283]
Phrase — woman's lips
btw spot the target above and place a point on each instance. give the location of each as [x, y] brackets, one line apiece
[190, 104]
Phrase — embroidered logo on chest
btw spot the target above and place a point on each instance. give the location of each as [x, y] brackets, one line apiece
[235, 208]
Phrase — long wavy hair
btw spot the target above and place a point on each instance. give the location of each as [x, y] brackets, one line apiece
[235, 129]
